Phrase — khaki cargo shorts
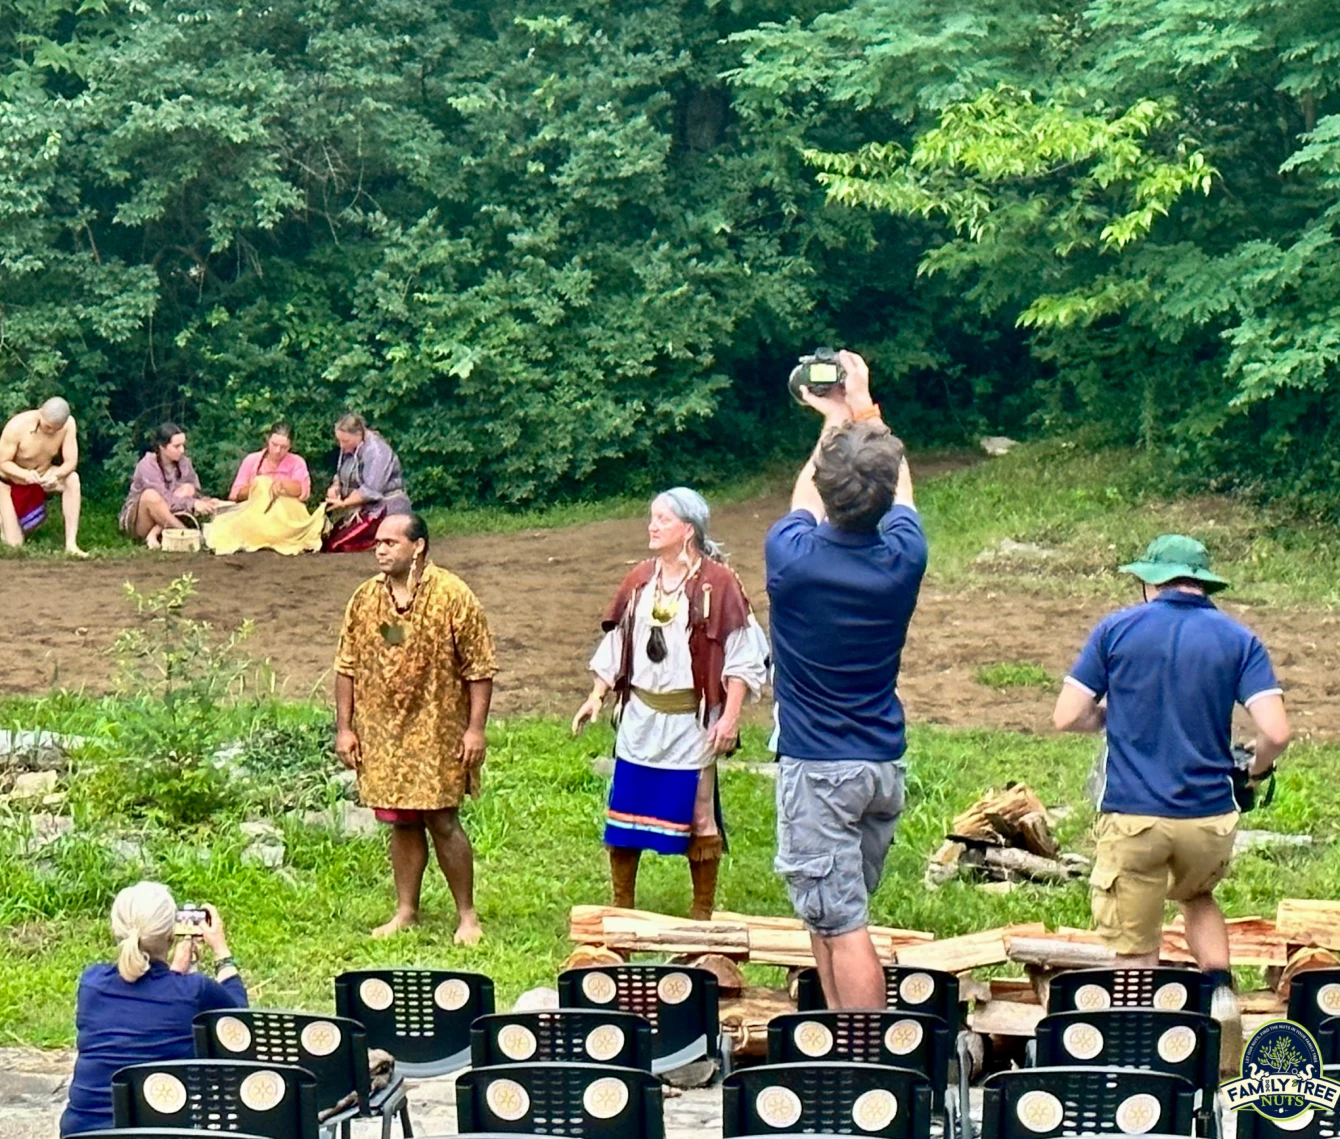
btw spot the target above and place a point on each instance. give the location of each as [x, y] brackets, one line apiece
[1145, 860]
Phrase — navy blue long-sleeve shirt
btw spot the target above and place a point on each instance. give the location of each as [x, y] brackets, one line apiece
[120, 1024]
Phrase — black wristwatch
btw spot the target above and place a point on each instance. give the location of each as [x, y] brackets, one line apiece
[229, 962]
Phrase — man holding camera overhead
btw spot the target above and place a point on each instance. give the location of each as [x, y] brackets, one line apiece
[843, 572]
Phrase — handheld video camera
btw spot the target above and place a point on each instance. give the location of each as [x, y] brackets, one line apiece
[820, 371]
[1244, 794]
[191, 920]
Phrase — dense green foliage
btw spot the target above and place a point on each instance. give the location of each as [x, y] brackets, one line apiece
[555, 248]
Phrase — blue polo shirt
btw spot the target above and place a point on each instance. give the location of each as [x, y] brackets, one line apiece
[840, 606]
[1171, 670]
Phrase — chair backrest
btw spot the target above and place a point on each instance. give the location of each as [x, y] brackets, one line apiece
[1033, 1103]
[277, 1101]
[905, 987]
[1314, 997]
[568, 1035]
[421, 1016]
[824, 1095]
[332, 1048]
[1092, 990]
[1183, 1044]
[151, 1133]
[680, 1003]
[596, 1101]
[891, 1037]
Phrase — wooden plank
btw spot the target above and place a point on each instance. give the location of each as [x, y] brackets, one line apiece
[1058, 953]
[971, 951]
[1309, 921]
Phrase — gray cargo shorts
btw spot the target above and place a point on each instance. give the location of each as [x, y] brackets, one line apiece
[835, 821]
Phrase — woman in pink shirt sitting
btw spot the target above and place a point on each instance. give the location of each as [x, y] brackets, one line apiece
[287, 472]
[271, 486]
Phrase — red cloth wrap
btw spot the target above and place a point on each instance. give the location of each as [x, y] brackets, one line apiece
[727, 613]
[30, 504]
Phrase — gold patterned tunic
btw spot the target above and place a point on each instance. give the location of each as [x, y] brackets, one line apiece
[411, 705]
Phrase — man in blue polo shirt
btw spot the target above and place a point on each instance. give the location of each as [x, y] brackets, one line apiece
[843, 571]
[1171, 671]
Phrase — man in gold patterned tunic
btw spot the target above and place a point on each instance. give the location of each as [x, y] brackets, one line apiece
[413, 683]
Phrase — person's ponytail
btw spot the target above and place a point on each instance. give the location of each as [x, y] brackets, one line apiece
[131, 960]
[143, 918]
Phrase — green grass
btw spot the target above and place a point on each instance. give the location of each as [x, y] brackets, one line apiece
[1015, 674]
[1092, 511]
[537, 839]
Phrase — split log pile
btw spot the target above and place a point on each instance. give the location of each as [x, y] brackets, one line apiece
[1003, 837]
[1304, 935]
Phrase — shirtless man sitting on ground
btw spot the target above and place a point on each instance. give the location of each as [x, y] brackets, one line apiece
[30, 447]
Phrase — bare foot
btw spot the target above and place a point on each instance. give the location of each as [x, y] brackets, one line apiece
[468, 931]
[154, 539]
[75, 552]
[396, 924]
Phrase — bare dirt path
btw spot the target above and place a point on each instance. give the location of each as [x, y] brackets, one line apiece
[544, 592]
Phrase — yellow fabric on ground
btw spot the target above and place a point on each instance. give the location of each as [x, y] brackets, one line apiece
[265, 522]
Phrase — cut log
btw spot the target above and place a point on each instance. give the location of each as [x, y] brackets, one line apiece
[1012, 859]
[586, 956]
[1251, 941]
[1304, 960]
[745, 1018]
[971, 951]
[730, 978]
[1307, 921]
[1058, 953]
[1006, 1018]
[995, 818]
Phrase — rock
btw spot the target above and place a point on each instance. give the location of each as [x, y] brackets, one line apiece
[40, 750]
[696, 1075]
[46, 829]
[260, 829]
[1255, 840]
[997, 888]
[997, 445]
[358, 821]
[55, 799]
[536, 1000]
[129, 850]
[267, 854]
[33, 785]
[1008, 550]
[347, 782]
[603, 766]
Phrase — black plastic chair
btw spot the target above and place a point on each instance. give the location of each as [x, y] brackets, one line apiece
[1035, 1102]
[595, 1101]
[905, 987]
[930, 992]
[276, 1101]
[565, 1035]
[151, 1133]
[823, 1095]
[680, 1002]
[333, 1048]
[893, 1037]
[421, 1016]
[1184, 1044]
[1169, 989]
[1314, 1002]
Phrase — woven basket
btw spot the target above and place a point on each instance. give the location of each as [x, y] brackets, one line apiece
[182, 539]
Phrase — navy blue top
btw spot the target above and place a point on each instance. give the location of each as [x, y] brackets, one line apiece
[120, 1024]
[1172, 669]
[841, 604]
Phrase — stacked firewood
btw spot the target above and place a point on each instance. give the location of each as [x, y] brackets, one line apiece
[1004, 836]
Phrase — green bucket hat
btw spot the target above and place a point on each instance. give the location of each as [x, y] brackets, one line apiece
[1173, 556]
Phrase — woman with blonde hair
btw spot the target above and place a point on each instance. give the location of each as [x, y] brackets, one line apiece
[139, 1011]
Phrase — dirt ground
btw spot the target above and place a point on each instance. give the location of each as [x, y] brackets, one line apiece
[544, 592]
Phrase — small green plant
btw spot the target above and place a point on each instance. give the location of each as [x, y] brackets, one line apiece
[1015, 674]
[175, 676]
